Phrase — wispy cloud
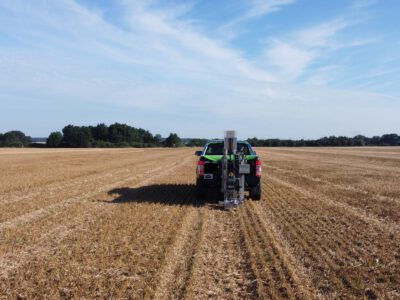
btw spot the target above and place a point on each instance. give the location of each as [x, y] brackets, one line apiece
[152, 60]
[295, 53]
[258, 8]
[189, 47]
[254, 9]
[360, 4]
[289, 61]
[320, 35]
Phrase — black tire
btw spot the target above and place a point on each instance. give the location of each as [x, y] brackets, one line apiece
[211, 195]
[255, 192]
[200, 193]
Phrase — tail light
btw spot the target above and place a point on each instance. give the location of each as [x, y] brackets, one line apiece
[200, 168]
[258, 167]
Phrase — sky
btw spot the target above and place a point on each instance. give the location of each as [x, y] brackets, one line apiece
[265, 68]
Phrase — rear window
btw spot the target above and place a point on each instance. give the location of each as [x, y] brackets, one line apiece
[218, 149]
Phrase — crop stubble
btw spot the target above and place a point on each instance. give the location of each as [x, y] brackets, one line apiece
[125, 223]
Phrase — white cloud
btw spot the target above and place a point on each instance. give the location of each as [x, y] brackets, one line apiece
[290, 60]
[254, 9]
[295, 53]
[259, 8]
[359, 4]
[320, 35]
[205, 54]
[160, 64]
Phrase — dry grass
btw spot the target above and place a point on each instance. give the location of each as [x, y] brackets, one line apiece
[125, 224]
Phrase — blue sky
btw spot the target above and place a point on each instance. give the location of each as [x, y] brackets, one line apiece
[267, 68]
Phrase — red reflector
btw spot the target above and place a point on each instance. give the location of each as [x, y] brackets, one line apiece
[258, 168]
[200, 168]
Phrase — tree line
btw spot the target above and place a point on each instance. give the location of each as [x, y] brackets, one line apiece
[331, 141]
[14, 138]
[115, 135]
[122, 135]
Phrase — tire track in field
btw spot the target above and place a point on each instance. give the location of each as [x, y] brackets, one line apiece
[305, 209]
[302, 211]
[76, 256]
[311, 249]
[74, 185]
[54, 187]
[221, 268]
[322, 161]
[25, 176]
[315, 179]
[51, 209]
[178, 263]
[346, 208]
[330, 223]
[173, 197]
[276, 275]
[88, 171]
[59, 233]
[341, 255]
[31, 216]
[330, 279]
[302, 286]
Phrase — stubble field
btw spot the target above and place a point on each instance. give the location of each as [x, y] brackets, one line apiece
[125, 224]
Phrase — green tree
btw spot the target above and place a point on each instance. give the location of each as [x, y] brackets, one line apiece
[15, 138]
[157, 139]
[75, 136]
[197, 143]
[359, 140]
[173, 140]
[100, 132]
[54, 140]
[119, 133]
[390, 139]
[254, 142]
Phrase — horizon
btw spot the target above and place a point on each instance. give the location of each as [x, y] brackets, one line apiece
[290, 69]
[220, 138]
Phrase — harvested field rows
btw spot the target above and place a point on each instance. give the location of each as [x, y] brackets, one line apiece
[125, 223]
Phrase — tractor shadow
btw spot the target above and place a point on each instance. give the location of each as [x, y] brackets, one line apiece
[166, 194]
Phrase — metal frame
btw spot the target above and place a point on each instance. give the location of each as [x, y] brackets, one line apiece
[233, 180]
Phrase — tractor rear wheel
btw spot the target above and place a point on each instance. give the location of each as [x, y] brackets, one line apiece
[255, 192]
[200, 193]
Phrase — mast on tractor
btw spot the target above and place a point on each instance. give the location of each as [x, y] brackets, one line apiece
[234, 168]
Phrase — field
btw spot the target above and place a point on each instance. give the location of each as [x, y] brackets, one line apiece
[125, 224]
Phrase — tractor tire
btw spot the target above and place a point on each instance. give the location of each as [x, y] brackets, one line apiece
[255, 192]
[200, 193]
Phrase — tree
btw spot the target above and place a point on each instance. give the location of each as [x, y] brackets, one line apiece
[54, 140]
[119, 133]
[75, 136]
[197, 143]
[359, 140]
[390, 139]
[15, 138]
[100, 132]
[254, 142]
[173, 140]
[157, 139]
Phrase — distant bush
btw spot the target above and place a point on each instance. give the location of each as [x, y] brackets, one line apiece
[103, 136]
[197, 143]
[173, 140]
[102, 144]
[14, 138]
[123, 145]
[54, 139]
[331, 141]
